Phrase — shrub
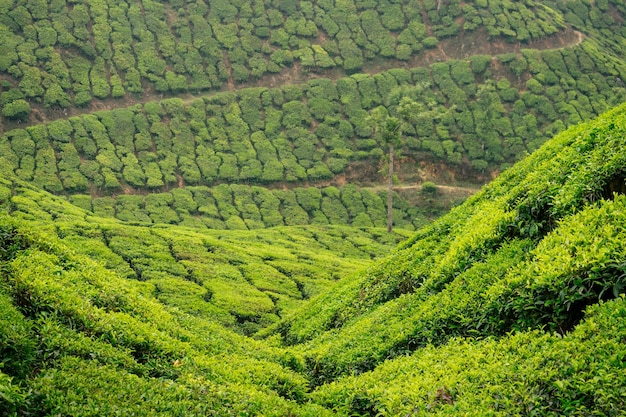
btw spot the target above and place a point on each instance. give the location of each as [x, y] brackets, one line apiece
[183, 201]
[159, 208]
[429, 188]
[16, 337]
[16, 110]
[332, 207]
[291, 211]
[351, 199]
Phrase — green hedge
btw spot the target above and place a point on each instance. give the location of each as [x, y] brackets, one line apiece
[486, 120]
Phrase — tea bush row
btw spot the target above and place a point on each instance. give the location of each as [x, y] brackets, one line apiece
[512, 303]
[65, 54]
[89, 342]
[498, 376]
[315, 131]
[244, 207]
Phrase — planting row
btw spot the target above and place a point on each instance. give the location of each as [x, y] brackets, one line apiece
[64, 53]
[90, 342]
[240, 207]
[482, 113]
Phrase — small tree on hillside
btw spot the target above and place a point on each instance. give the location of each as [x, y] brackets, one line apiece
[389, 130]
[408, 104]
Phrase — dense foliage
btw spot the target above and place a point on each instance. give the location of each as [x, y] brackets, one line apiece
[491, 110]
[530, 251]
[244, 280]
[190, 208]
[64, 53]
[473, 115]
[512, 303]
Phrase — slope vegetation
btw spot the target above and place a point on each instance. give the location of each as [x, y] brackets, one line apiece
[530, 252]
[110, 86]
[159, 311]
[190, 196]
[511, 304]
[62, 54]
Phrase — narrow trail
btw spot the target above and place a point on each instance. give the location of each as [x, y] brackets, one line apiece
[418, 187]
[460, 47]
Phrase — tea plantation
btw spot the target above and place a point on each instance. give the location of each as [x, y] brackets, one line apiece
[511, 304]
[193, 204]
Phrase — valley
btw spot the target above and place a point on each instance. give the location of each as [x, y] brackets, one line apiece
[193, 208]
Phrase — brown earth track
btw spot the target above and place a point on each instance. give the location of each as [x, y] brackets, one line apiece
[460, 47]
[418, 187]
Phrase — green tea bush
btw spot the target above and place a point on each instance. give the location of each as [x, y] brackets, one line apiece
[291, 211]
[511, 231]
[332, 207]
[18, 342]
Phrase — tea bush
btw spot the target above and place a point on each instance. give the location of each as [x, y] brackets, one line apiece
[534, 231]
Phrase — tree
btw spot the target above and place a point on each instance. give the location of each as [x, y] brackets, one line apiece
[389, 130]
[409, 104]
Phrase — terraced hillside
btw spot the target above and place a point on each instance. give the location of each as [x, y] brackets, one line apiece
[192, 196]
[112, 98]
[511, 304]
[244, 280]
[68, 53]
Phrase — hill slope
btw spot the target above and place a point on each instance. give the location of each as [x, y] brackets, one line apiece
[531, 251]
[496, 79]
[511, 304]
[220, 255]
[87, 303]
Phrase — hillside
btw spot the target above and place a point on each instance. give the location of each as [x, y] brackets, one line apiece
[114, 97]
[193, 196]
[241, 279]
[511, 304]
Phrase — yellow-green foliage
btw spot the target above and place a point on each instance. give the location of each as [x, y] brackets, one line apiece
[528, 372]
[513, 303]
[243, 279]
[95, 329]
[531, 250]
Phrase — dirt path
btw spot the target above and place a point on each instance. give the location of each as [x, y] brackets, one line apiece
[460, 47]
[469, 190]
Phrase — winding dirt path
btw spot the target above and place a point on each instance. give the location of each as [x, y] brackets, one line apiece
[460, 47]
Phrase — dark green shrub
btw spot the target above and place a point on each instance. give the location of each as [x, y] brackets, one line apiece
[224, 200]
[131, 208]
[16, 110]
[269, 206]
[17, 345]
[159, 208]
[332, 207]
[104, 206]
[429, 188]
[184, 201]
[351, 199]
